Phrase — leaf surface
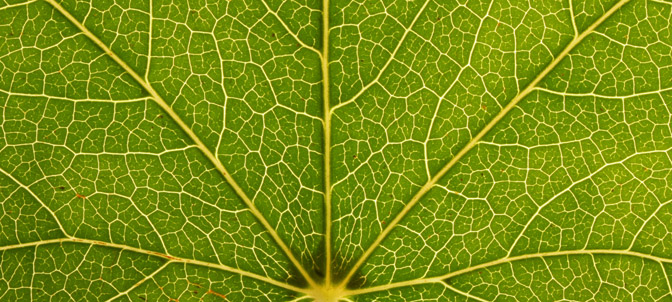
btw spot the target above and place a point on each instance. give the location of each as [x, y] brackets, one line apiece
[262, 150]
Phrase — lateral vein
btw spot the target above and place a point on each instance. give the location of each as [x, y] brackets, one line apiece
[25, 187]
[474, 141]
[289, 30]
[171, 259]
[440, 279]
[204, 149]
[392, 55]
[143, 280]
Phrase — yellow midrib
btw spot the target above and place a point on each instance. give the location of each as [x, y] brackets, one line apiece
[327, 137]
[204, 149]
[474, 141]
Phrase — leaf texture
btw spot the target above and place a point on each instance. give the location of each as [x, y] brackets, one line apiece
[304, 150]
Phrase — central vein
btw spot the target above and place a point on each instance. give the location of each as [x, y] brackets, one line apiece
[327, 137]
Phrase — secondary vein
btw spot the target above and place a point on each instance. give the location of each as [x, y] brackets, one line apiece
[171, 259]
[474, 141]
[25, 187]
[440, 279]
[289, 30]
[204, 149]
[388, 62]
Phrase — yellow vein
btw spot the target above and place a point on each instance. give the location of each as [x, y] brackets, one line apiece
[170, 258]
[468, 295]
[394, 53]
[327, 136]
[143, 280]
[585, 178]
[667, 278]
[151, 30]
[60, 226]
[661, 2]
[159, 100]
[440, 279]
[301, 298]
[571, 16]
[42, 95]
[474, 141]
[17, 5]
[603, 96]
[289, 31]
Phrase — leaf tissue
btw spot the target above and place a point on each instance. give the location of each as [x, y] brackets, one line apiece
[335, 150]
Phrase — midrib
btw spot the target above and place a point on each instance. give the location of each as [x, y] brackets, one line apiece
[474, 141]
[204, 149]
[327, 137]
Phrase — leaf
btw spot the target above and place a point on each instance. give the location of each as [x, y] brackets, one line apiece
[460, 150]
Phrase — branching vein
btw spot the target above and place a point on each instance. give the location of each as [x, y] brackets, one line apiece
[474, 141]
[204, 149]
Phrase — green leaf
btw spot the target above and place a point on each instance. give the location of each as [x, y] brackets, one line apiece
[379, 150]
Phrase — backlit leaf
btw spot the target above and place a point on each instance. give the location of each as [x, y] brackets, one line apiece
[306, 150]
